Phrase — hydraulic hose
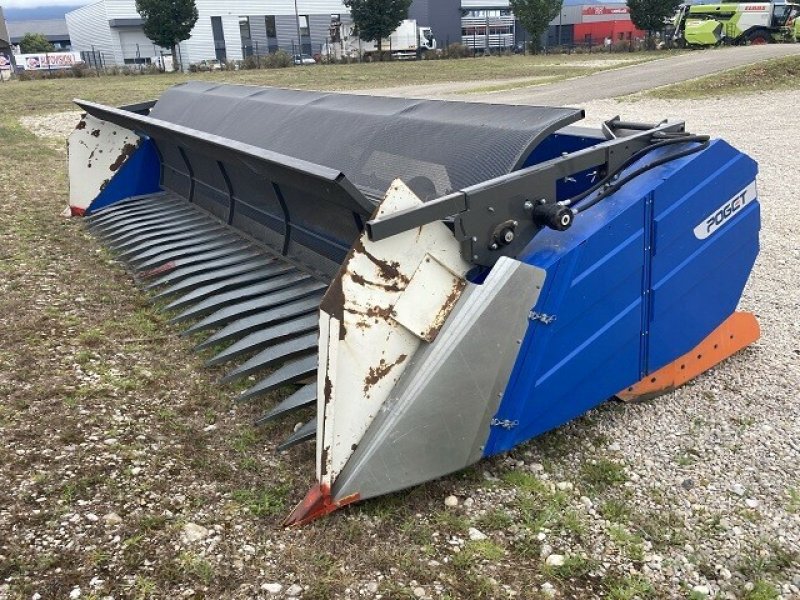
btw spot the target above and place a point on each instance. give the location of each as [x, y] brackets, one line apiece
[668, 140]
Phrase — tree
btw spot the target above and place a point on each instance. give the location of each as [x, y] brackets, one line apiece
[168, 22]
[650, 15]
[535, 15]
[33, 43]
[377, 19]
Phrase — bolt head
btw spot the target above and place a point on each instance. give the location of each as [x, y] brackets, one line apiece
[493, 247]
[528, 205]
[508, 237]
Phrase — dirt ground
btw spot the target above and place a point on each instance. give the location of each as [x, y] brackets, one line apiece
[127, 472]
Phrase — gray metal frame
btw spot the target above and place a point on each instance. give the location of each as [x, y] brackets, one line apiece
[483, 210]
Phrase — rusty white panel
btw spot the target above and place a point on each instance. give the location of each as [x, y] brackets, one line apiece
[96, 150]
[428, 299]
[364, 346]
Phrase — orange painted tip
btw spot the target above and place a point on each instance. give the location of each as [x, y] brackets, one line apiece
[77, 211]
[735, 333]
[317, 503]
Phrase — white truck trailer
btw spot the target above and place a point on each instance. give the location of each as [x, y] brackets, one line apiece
[408, 42]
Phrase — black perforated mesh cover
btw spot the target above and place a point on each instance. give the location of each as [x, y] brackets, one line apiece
[435, 146]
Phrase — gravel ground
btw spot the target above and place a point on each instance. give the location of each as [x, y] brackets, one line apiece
[694, 494]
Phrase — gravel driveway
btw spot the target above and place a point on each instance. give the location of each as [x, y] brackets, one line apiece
[693, 494]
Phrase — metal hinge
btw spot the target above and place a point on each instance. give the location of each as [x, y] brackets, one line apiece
[541, 317]
[504, 423]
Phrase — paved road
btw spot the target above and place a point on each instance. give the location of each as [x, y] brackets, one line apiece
[609, 84]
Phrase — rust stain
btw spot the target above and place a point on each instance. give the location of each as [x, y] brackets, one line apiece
[328, 389]
[359, 280]
[444, 311]
[381, 371]
[127, 150]
[96, 133]
[389, 270]
[81, 125]
[104, 184]
[374, 312]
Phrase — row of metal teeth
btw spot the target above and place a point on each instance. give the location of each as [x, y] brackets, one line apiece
[257, 304]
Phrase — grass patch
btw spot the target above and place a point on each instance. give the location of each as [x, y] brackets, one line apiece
[762, 590]
[474, 552]
[601, 474]
[775, 560]
[494, 520]
[629, 588]
[574, 567]
[777, 74]
[29, 97]
[629, 543]
[266, 502]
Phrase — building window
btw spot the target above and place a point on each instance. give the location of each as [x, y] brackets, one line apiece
[272, 31]
[219, 38]
[247, 40]
[244, 30]
[302, 21]
[335, 31]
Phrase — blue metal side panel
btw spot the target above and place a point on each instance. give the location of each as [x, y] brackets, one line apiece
[629, 290]
[697, 283]
[139, 175]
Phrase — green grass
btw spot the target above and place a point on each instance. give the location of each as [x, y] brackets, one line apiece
[267, 502]
[629, 588]
[601, 474]
[53, 95]
[474, 552]
[762, 590]
[777, 74]
[574, 567]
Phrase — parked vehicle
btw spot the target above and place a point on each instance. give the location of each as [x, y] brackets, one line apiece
[304, 59]
[408, 42]
[703, 25]
[209, 65]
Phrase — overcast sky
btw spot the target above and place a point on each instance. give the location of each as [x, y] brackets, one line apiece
[37, 3]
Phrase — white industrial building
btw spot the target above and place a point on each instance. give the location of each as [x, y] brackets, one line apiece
[110, 31]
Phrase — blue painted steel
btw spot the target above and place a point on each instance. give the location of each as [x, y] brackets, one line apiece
[139, 175]
[631, 289]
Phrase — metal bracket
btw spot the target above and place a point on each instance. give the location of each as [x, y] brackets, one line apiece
[504, 423]
[479, 212]
[541, 317]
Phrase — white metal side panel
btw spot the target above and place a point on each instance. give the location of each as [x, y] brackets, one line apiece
[96, 150]
[389, 298]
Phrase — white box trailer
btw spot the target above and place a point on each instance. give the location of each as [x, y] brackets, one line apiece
[407, 42]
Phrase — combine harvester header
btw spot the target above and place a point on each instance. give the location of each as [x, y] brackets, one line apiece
[443, 280]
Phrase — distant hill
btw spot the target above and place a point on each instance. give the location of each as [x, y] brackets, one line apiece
[38, 13]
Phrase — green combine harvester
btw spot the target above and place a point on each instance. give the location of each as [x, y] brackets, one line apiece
[736, 23]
